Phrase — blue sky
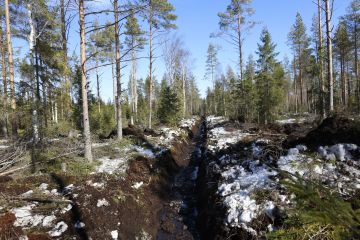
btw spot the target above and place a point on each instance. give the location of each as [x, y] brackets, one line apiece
[197, 19]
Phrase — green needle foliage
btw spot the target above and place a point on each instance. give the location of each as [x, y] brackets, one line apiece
[169, 106]
[318, 213]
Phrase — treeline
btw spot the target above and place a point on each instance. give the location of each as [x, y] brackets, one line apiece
[46, 91]
[322, 75]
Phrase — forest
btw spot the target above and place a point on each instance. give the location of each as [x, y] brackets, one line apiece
[109, 130]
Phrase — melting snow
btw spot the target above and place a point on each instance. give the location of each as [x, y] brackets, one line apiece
[112, 166]
[137, 185]
[241, 179]
[219, 138]
[114, 235]
[144, 152]
[102, 203]
[58, 230]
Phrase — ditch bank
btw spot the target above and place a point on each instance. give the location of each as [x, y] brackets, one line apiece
[252, 186]
[154, 199]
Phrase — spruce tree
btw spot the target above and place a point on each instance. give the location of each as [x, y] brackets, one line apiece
[342, 51]
[269, 79]
[169, 105]
[299, 42]
[211, 65]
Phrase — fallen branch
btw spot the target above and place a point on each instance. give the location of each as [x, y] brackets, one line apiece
[37, 199]
[14, 170]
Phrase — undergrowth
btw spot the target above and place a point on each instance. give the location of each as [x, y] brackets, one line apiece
[319, 214]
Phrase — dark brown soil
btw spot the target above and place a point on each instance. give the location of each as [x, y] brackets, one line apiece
[132, 212]
[7, 230]
[330, 131]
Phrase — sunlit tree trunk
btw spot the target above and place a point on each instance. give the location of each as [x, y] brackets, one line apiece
[5, 88]
[66, 98]
[330, 55]
[184, 90]
[32, 42]
[98, 86]
[151, 66]
[86, 122]
[114, 87]
[118, 73]
[11, 70]
[321, 62]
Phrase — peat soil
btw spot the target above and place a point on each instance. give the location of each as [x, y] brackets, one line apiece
[156, 200]
[184, 193]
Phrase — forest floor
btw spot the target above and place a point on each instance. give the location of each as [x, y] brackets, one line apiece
[206, 179]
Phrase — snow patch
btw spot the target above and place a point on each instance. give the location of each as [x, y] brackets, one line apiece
[59, 229]
[102, 203]
[137, 185]
[114, 234]
[112, 166]
[144, 152]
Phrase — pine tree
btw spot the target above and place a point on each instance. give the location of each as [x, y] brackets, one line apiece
[159, 14]
[352, 21]
[84, 85]
[14, 119]
[234, 25]
[329, 54]
[134, 41]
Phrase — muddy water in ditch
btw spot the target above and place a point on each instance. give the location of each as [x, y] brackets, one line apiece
[184, 195]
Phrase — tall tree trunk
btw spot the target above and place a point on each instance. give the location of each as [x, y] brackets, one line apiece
[133, 86]
[4, 76]
[295, 87]
[34, 85]
[150, 65]
[321, 63]
[66, 98]
[44, 88]
[330, 55]
[114, 88]
[98, 86]
[349, 87]
[356, 65]
[11, 70]
[343, 81]
[184, 91]
[301, 80]
[86, 122]
[118, 73]
[241, 62]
